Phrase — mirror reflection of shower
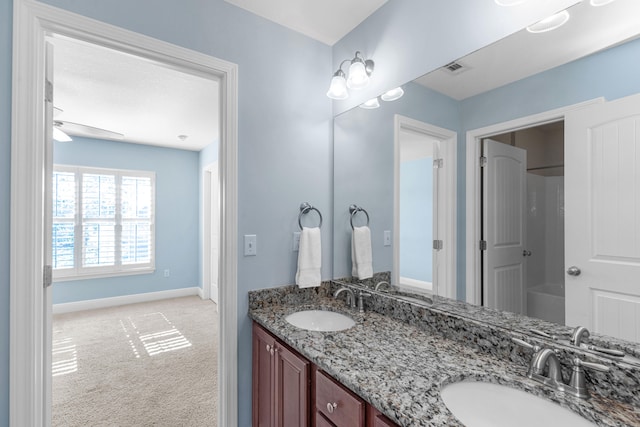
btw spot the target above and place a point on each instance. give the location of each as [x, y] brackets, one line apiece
[544, 249]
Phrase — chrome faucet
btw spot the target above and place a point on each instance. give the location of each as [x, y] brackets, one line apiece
[541, 360]
[361, 296]
[579, 334]
[351, 297]
[545, 368]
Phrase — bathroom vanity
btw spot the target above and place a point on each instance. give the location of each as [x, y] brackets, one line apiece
[390, 367]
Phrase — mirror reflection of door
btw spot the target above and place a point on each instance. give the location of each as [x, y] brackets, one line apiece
[523, 222]
[418, 213]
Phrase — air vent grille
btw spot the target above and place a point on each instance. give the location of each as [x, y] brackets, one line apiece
[455, 68]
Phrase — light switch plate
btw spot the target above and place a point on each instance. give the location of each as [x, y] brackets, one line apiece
[387, 237]
[250, 245]
[296, 241]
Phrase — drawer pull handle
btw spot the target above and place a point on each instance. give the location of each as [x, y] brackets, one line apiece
[331, 407]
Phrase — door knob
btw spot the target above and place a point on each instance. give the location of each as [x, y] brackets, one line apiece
[573, 271]
[526, 253]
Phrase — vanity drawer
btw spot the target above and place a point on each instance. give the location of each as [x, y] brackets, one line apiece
[321, 421]
[336, 403]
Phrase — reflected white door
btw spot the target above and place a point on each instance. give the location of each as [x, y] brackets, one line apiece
[504, 227]
[602, 211]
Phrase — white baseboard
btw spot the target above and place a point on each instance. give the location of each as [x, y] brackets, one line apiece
[124, 300]
[200, 293]
[406, 282]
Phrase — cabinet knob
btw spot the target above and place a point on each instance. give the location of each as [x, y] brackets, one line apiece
[331, 407]
[268, 348]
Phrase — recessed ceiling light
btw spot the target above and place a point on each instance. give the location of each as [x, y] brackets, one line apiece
[182, 137]
[370, 104]
[509, 2]
[549, 24]
[600, 2]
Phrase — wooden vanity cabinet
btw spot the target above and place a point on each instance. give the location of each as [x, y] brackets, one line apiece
[289, 391]
[281, 381]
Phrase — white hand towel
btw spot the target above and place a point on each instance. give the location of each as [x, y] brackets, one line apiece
[309, 258]
[361, 254]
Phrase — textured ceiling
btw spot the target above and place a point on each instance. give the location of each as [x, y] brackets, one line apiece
[147, 102]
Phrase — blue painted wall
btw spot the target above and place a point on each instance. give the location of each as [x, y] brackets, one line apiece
[177, 207]
[6, 12]
[416, 219]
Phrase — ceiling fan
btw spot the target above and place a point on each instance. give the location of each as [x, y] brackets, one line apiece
[62, 129]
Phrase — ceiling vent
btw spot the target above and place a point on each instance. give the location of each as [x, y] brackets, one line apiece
[455, 68]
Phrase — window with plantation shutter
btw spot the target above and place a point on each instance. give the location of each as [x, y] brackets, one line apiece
[103, 222]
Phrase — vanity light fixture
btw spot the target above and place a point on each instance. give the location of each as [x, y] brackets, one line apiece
[359, 73]
[600, 2]
[551, 23]
[370, 104]
[393, 94]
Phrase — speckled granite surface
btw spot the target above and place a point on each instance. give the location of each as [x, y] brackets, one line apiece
[399, 366]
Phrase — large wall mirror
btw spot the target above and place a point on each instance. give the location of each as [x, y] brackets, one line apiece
[477, 188]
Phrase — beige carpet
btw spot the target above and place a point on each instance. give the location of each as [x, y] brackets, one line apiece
[149, 364]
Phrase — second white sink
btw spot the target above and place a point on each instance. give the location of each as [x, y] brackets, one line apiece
[482, 404]
[320, 320]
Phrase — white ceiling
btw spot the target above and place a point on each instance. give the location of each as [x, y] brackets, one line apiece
[324, 20]
[524, 54]
[147, 102]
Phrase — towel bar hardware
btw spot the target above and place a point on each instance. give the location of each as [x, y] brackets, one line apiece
[354, 209]
[306, 208]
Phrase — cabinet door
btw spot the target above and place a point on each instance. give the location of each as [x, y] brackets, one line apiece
[376, 418]
[263, 379]
[291, 388]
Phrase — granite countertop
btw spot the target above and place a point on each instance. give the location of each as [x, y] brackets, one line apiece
[400, 369]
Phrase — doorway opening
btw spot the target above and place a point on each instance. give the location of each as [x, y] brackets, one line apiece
[30, 314]
[424, 214]
[126, 179]
[522, 199]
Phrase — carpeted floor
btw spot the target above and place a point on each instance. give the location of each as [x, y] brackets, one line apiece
[148, 364]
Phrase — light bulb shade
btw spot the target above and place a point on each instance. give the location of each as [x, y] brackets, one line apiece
[551, 23]
[393, 94]
[60, 136]
[370, 104]
[600, 2]
[358, 77]
[338, 87]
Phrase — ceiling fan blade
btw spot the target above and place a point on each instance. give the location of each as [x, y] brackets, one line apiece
[86, 130]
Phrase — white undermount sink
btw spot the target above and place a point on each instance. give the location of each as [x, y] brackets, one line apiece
[320, 320]
[482, 404]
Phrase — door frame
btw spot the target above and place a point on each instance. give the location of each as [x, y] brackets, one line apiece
[28, 404]
[473, 182]
[446, 228]
[210, 175]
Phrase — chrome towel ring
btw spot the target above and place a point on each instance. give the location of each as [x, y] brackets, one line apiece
[306, 208]
[354, 209]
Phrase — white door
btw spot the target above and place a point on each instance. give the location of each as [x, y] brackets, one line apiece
[504, 227]
[602, 217]
[47, 231]
[215, 231]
